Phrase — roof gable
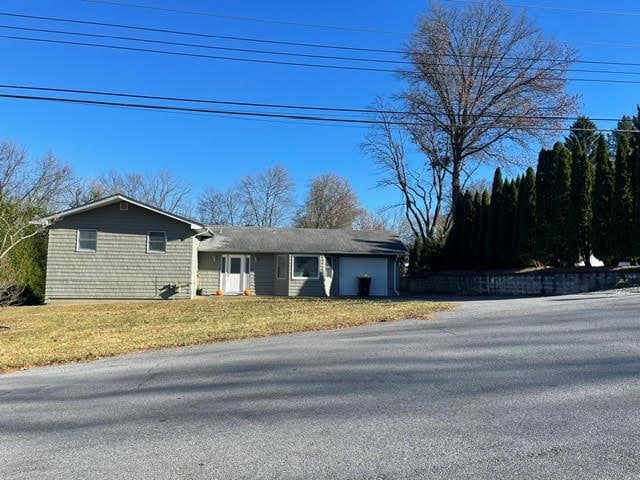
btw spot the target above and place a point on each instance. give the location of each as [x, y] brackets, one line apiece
[116, 198]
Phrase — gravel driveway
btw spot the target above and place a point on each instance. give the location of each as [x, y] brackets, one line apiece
[520, 388]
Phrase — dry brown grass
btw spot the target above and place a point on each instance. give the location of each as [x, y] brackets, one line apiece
[51, 334]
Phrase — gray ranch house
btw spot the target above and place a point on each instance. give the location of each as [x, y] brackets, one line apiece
[120, 248]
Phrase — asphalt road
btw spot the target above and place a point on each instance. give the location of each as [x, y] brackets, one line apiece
[528, 388]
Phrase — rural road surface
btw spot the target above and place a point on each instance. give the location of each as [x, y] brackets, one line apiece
[521, 388]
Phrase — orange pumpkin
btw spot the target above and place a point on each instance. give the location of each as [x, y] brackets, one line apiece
[219, 292]
[247, 293]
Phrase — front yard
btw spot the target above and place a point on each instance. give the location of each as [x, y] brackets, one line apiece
[43, 335]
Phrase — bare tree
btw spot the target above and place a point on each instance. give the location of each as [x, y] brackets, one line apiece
[421, 184]
[330, 203]
[162, 189]
[267, 197]
[371, 220]
[484, 81]
[220, 207]
[28, 189]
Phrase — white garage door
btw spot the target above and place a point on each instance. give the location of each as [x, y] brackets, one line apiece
[352, 267]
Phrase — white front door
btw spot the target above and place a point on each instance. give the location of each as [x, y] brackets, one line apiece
[234, 276]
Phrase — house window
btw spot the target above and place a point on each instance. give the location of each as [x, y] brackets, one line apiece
[87, 241]
[281, 267]
[328, 267]
[223, 264]
[156, 242]
[306, 266]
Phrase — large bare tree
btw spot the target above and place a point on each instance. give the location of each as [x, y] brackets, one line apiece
[330, 203]
[484, 82]
[420, 183]
[267, 197]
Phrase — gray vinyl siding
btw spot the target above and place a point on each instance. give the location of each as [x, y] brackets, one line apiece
[120, 267]
[208, 272]
[263, 274]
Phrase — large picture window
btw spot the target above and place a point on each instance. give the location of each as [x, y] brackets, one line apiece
[156, 242]
[87, 241]
[306, 266]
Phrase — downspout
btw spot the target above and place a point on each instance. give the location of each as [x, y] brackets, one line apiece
[395, 276]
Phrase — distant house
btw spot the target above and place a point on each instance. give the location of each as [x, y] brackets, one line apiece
[120, 248]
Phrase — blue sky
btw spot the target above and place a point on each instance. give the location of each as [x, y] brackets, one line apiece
[216, 151]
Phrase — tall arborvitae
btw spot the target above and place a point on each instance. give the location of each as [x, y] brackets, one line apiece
[584, 133]
[415, 256]
[468, 230]
[623, 201]
[602, 224]
[493, 242]
[625, 124]
[580, 212]
[544, 204]
[455, 241]
[477, 232]
[527, 218]
[559, 215]
[508, 252]
[485, 206]
[635, 184]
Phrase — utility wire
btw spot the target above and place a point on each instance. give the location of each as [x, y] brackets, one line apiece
[342, 27]
[554, 8]
[282, 42]
[280, 62]
[171, 108]
[291, 54]
[248, 19]
[272, 105]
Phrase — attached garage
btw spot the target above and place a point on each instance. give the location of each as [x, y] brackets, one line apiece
[353, 267]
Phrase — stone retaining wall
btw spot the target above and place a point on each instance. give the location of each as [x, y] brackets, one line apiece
[533, 283]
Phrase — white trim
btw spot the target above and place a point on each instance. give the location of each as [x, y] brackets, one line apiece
[165, 242]
[293, 266]
[46, 221]
[85, 250]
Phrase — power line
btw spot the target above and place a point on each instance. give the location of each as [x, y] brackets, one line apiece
[172, 108]
[270, 105]
[560, 9]
[280, 42]
[248, 19]
[288, 54]
[336, 27]
[280, 62]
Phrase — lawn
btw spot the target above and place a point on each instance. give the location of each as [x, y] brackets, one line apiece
[43, 335]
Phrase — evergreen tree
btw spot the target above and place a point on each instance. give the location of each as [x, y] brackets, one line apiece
[602, 225]
[467, 231]
[493, 242]
[635, 184]
[509, 252]
[624, 125]
[580, 212]
[477, 233]
[544, 204]
[584, 133]
[455, 241]
[559, 214]
[623, 201]
[527, 218]
[485, 207]
[415, 255]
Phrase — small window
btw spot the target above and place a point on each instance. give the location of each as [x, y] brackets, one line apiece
[234, 265]
[247, 265]
[223, 264]
[328, 267]
[124, 206]
[306, 267]
[281, 267]
[87, 241]
[156, 242]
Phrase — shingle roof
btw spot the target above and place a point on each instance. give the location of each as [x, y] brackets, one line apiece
[301, 240]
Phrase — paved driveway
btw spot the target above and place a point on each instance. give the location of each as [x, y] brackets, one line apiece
[542, 388]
